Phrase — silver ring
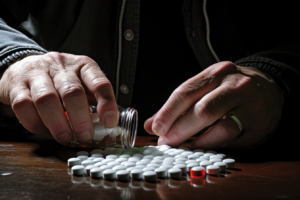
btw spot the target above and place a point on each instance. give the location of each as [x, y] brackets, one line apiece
[236, 120]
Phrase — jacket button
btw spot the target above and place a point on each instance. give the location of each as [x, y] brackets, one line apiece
[124, 89]
[128, 34]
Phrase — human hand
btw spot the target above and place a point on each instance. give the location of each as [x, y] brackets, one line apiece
[223, 88]
[38, 87]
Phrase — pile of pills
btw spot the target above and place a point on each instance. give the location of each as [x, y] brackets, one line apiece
[148, 163]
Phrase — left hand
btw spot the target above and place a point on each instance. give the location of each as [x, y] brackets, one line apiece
[223, 88]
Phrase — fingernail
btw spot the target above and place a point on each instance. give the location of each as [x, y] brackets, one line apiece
[64, 138]
[111, 119]
[84, 137]
[162, 140]
[158, 128]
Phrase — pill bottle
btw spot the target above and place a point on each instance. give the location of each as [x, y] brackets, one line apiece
[123, 135]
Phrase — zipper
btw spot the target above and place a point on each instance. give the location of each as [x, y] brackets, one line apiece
[208, 32]
[119, 48]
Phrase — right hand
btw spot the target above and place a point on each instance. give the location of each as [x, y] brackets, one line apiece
[38, 85]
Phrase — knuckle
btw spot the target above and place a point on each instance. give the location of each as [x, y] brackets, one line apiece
[20, 102]
[225, 66]
[44, 97]
[71, 91]
[182, 95]
[54, 55]
[204, 111]
[101, 84]
[246, 83]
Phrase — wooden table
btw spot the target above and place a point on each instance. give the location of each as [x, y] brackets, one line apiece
[33, 167]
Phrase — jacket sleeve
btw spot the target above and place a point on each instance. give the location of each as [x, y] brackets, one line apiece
[14, 45]
[278, 54]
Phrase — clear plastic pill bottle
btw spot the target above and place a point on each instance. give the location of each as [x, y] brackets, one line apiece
[123, 135]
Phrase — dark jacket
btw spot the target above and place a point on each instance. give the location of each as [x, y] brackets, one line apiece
[261, 34]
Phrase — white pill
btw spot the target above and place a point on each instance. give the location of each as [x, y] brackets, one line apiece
[108, 160]
[140, 166]
[148, 169]
[230, 163]
[201, 159]
[167, 166]
[169, 158]
[216, 156]
[153, 165]
[91, 158]
[214, 160]
[209, 154]
[82, 158]
[186, 153]
[134, 159]
[142, 162]
[120, 160]
[211, 151]
[96, 173]
[113, 163]
[95, 160]
[221, 165]
[205, 163]
[199, 153]
[190, 166]
[174, 173]
[148, 151]
[99, 164]
[83, 153]
[125, 156]
[158, 158]
[168, 162]
[104, 167]
[88, 168]
[97, 155]
[77, 170]
[205, 157]
[198, 150]
[109, 174]
[148, 157]
[161, 172]
[157, 153]
[190, 161]
[182, 167]
[87, 162]
[119, 167]
[181, 158]
[137, 174]
[129, 164]
[74, 161]
[138, 155]
[122, 175]
[179, 151]
[112, 157]
[179, 162]
[149, 176]
[96, 151]
[193, 157]
[212, 169]
[221, 154]
[157, 162]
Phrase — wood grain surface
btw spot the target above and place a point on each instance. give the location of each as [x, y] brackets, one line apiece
[33, 167]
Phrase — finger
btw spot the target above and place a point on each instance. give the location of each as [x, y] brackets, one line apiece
[75, 102]
[26, 112]
[148, 124]
[100, 86]
[205, 112]
[47, 103]
[188, 94]
[219, 134]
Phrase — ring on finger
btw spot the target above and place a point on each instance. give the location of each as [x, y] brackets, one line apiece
[236, 120]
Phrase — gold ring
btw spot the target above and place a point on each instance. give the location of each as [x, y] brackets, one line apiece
[236, 120]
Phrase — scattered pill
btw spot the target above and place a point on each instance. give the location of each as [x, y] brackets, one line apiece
[112, 157]
[88, 168]
[96, 173]
[82, 158]
[148, 169]
[97, 155]
[99, 164]
[167, 166]
[214, 160]
[78, 170]
[137, 174]
[87, 162]
[113, 163]
[140, 166]
[212, 169]
[122, 175]
[74, 161]
[161, 172]
[191, 161]
[153, 165]
[193, 157]
[109, 174]
[149, 176]
[104, 167]
[199, 153]
[95, 160]
[190, 166]
[202, 159]
[221, 165]
[205, 163]
[174, 173]
[230, 163]
[119, 167]
[125, 156]
[182, 167]
[198, 172]
[216, 156]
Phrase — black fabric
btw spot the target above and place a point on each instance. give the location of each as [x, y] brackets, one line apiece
[165, 59]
